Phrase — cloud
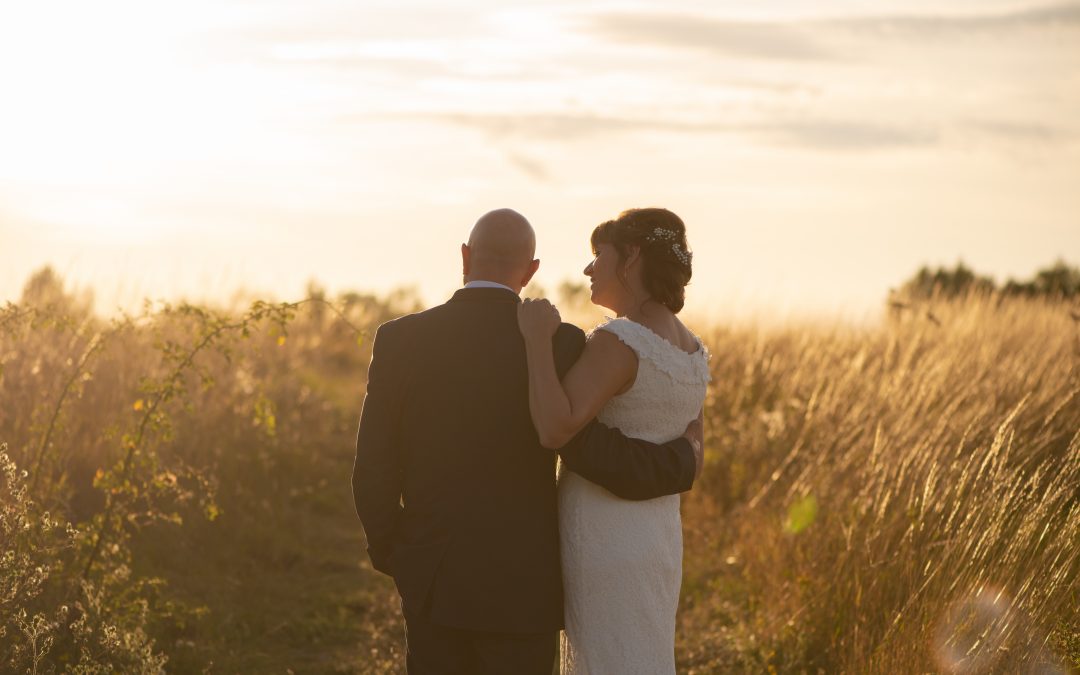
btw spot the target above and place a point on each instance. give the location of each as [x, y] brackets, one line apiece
[1019, 132]
[823, 133]
[808, 39]
[530, 167]
[833, 135]
[378, 67]
[543, 126]
[736, 38]
[848, 135]
[1051, 16]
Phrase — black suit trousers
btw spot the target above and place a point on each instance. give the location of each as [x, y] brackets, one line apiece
[432, 649]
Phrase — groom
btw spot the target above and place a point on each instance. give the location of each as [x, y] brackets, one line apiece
[456, 494]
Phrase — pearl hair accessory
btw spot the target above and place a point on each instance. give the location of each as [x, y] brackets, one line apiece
[662, 234]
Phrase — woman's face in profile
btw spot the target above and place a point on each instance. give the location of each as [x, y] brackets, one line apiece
[601, 271]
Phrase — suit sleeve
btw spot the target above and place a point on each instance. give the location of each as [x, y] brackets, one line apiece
[630, 468]
[377, 475]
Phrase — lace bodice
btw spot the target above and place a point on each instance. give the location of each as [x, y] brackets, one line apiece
[668, 390]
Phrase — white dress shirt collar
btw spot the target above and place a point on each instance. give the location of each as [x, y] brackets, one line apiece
[487, 284]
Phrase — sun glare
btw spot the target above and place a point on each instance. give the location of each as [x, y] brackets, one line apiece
[107, 95]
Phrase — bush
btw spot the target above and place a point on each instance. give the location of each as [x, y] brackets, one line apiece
[52, 618]
[1057, 282]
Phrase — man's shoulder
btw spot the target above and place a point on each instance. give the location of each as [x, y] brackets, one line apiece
[410, 326]
[569, 332]
[568, 342]
[395, 329]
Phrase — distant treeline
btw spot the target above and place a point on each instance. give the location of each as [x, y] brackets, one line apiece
[1060, 281]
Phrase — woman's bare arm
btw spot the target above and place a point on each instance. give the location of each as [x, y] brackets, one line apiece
[561, 409]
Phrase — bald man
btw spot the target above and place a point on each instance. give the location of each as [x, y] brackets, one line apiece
[456, 494]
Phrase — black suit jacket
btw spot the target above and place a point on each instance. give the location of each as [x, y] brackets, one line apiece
[455, 493]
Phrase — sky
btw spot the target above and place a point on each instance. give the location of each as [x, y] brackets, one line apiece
[819, 153]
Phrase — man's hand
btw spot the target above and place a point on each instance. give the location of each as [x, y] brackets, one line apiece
[695, 433]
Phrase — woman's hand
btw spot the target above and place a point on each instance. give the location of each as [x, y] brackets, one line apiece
[695, 433]
[537, 318]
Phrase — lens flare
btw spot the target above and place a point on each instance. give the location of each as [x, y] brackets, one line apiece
[977, 632]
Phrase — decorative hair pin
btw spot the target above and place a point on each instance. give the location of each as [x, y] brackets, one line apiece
[683, 256]
[663, 234]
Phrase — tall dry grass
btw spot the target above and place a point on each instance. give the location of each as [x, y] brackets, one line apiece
[901, 499]
[896, 499]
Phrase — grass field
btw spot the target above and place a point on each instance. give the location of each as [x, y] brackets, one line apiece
[903, 498]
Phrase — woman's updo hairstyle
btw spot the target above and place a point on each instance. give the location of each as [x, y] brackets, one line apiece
[666, 258]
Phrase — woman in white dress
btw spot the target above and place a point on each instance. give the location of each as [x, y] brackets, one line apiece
[645, 373]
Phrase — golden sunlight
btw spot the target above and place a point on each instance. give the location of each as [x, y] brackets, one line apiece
[210, 208]
[114, 96]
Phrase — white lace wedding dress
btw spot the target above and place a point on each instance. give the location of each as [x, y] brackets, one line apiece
[622, 560]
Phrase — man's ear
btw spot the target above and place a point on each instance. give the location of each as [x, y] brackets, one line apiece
[533, 266]
[465, 260]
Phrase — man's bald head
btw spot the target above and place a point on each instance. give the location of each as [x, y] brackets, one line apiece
[501, 249]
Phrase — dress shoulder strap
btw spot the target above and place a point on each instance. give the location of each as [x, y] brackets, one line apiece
[631, 334]
[647, 345]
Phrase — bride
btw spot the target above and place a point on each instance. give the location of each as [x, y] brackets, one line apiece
[645, 373]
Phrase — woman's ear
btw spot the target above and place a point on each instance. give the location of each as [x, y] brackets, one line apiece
[633, 255]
